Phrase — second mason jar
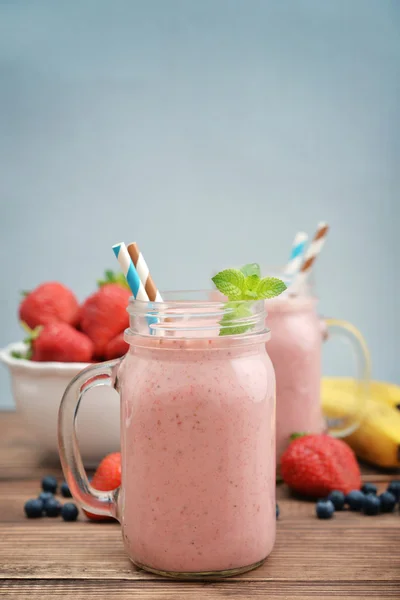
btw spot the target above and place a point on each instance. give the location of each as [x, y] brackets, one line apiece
[297, 334]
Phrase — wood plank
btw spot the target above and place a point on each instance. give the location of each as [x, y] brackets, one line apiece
[94, 550]
[172, 590]
[21, 456]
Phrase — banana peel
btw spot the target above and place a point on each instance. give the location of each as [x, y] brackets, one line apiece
[377, 438]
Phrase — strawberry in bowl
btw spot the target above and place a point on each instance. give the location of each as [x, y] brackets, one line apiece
[63, 337]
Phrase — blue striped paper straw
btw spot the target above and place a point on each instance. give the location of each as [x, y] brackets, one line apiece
[128, 268]
[296, 256]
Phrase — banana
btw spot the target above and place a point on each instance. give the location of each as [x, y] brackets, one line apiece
[386, 393]
[377, 439]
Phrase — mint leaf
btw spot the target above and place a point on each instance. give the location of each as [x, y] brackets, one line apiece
[269, 287]
[231, 283]
[252, 282]
[238, 311]
[251, 269]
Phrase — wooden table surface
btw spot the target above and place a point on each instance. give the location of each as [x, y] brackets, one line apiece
[351, 556]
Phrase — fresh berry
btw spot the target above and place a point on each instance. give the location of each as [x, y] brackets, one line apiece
[315, 465]
[104, 316]
[371, 505]
[59, 342]
[49, 484]
[369, 488]
[33, 508]
[52, 508]
[69, 512]
[277, 511]
[116, 347]
[65, 491]
[394, 488]
[324, 509]
[49, 303]
[337, 499]
[388, 502]
[355, 499]
[45, 496]
[106, 478]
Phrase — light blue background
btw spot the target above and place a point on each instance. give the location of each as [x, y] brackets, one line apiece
[209, 131]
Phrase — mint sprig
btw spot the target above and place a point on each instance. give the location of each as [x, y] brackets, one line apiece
[240, 285]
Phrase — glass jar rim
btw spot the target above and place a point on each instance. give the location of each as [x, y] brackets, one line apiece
[189, 314]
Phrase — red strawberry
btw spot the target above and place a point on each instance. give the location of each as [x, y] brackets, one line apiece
[49, 303]
[104, 316]
[116, 347]
[315, 465]
[59, 342]
[106, 478]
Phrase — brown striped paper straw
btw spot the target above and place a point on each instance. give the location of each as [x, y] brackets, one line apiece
[311, 254]
[144, 273]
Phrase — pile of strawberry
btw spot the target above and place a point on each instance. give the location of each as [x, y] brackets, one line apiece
[62, 330]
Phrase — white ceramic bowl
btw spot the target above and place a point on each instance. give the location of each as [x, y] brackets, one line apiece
[38, 388]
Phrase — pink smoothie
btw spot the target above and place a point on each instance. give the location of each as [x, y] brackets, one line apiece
[295, 351]
[198, 472]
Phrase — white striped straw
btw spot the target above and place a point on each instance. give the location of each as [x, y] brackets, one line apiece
[144, 273]
[296, 255]
[311, 255]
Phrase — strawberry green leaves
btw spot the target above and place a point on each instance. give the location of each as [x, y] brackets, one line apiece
[239, 286]
[112, 277]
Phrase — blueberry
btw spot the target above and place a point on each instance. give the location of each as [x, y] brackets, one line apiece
[65, 491]
[33, 508]
[52, 508]
[69, 512]
[354, 500]
[369, 488]
[324, 509]
[394, 488]
[388, 502]
[277, 511]
[49, 484]
[45, 497]
[337, 499]
[371, 505]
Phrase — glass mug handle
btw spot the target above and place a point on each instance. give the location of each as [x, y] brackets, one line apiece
[343, 413]
[95, 501]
